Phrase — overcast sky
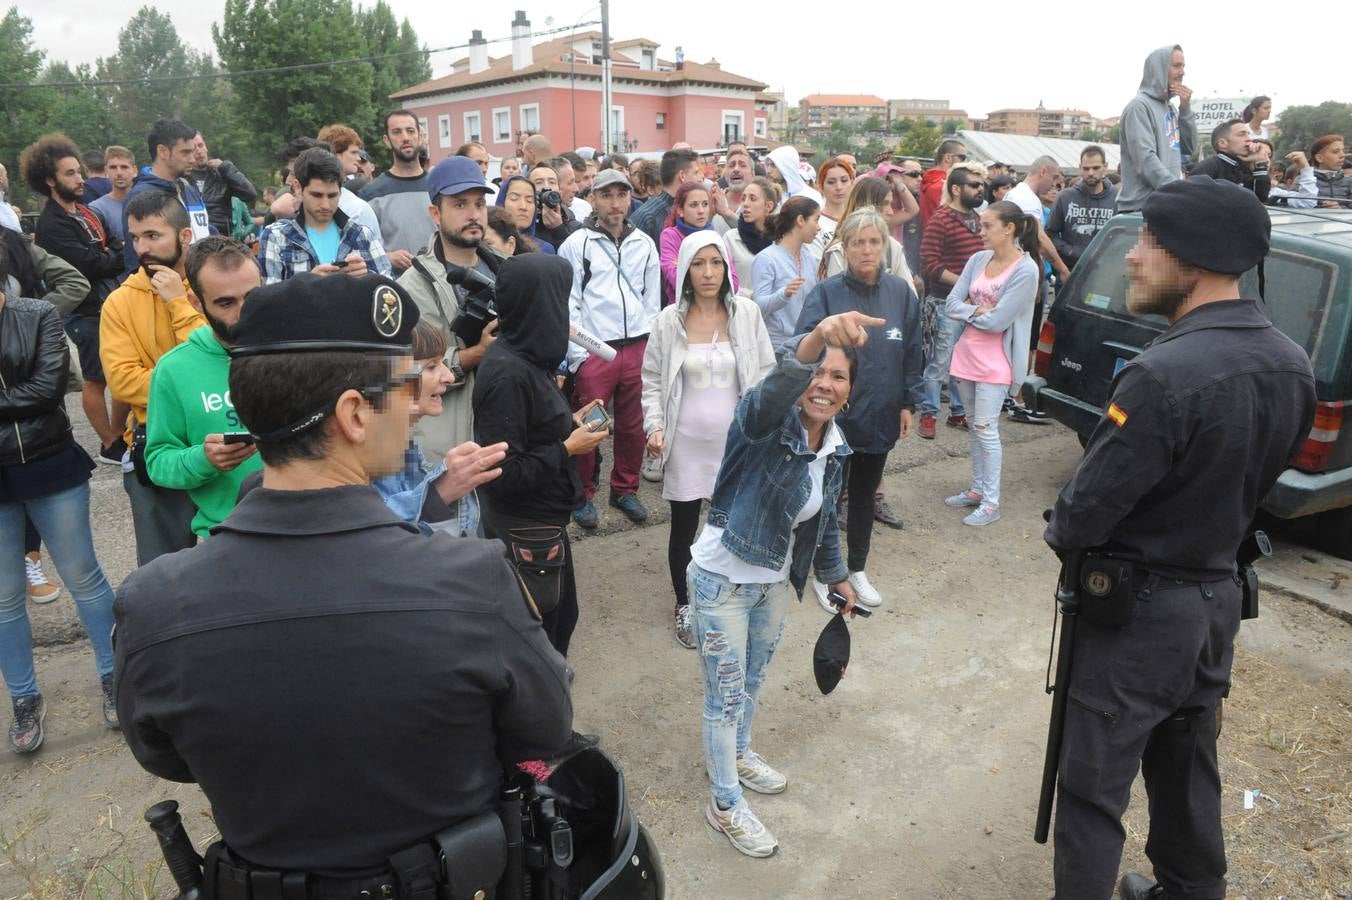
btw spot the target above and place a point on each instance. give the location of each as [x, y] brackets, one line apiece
[1012, 59]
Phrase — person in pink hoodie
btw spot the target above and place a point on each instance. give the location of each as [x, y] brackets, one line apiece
[691, 211]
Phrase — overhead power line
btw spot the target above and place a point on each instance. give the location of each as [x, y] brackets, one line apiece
[273, 70]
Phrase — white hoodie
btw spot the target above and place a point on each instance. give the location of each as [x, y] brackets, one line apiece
[786, 161]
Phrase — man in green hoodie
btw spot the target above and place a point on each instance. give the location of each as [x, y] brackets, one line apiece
[194, 439]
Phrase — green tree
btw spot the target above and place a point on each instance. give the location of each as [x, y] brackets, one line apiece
[269, 33]
[83, 113]
[1093, 135]
[919, 138]
[384, 35]
[148, 46]
[20, 63]
[1301, 125]
[873, 123]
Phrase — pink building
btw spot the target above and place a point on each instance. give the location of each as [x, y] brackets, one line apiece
[554, 88]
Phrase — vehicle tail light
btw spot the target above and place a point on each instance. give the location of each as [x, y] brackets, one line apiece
[1042, 360]
[1318, 447]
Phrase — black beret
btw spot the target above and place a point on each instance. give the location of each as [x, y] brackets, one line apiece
[1214, 225]
[831, 654]
[326, 313]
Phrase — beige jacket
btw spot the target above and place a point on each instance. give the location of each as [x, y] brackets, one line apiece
[896, 261]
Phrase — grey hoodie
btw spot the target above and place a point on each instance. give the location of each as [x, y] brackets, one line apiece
[1154, 136]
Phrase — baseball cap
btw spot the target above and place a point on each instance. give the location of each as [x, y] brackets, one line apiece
[611, 177]
[455, 175]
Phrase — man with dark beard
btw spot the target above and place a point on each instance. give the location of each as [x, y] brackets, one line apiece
[71, 231]
[459, 207]
[194, 439]
[397, 195]
[145, 318]
[1198, 428]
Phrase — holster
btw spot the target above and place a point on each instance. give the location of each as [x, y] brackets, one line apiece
[1106, 590]
[1248, 584]
[1254, 545]
[473, 857]
[138, 455]
[539, 553]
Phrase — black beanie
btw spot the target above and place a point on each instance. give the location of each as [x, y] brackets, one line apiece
[1214, 225]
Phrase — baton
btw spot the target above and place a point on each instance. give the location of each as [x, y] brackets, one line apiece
[1068, 604]
[183, 862]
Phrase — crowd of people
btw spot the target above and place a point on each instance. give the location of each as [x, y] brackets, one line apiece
[769, 331]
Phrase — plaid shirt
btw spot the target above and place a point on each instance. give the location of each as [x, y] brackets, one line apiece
[285, 250]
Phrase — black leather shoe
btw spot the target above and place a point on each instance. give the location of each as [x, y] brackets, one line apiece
[1138, 887]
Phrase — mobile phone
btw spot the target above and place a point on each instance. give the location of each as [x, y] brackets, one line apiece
[340, 263]
[237, 437]
[597, 419]
[838, 601]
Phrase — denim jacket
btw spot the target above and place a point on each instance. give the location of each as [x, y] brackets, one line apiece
[761, 486]
[405, 491]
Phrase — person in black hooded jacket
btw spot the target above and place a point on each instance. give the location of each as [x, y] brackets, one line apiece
[517, 400]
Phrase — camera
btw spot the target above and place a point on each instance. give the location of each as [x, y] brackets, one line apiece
[479, 306]
[550, 198]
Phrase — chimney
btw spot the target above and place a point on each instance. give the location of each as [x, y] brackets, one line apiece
[478, 52]
[521, 55]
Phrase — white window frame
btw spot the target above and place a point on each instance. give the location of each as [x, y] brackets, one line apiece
[422, 126]
[521, 113]
[616, 121]
[504, 136]
[760, 127]
[661, 121]
[474, 132]
[444, 131]
[740, 116]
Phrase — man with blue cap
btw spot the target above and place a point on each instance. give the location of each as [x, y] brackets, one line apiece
[341, 686]
[1198, 428]
[459, 208]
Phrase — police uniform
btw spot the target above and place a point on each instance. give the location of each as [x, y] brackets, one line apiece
[340, 685]
[1198, 428]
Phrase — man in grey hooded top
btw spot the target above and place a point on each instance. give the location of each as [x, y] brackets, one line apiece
[1155, 134]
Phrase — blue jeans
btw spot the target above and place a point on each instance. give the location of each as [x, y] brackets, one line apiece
[63, 521]
[936, 366]
[737, 627]
[983, 434]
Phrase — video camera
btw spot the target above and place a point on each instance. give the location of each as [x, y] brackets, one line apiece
[480, 305]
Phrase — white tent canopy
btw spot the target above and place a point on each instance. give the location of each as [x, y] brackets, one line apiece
[1020, 150]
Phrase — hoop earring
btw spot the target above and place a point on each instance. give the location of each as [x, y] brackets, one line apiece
[846, 407]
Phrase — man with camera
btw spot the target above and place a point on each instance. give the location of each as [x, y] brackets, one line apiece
[458, 196]
[1149, 530]
[346, 740]
[556, 219]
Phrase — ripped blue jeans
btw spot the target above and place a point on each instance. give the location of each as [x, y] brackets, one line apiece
[737, 628]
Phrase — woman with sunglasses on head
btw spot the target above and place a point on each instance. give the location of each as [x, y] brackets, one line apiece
[440, 497]
[772, 521]
[750, 237]
[703, 353]
[994, 296]
[890, 369]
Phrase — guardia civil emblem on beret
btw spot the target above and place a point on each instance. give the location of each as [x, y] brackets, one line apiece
[387, 312]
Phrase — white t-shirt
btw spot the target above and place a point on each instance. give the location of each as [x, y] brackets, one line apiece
[1022, 196]
[710, 554]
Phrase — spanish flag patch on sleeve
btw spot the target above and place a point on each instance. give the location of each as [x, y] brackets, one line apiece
[1115, 413]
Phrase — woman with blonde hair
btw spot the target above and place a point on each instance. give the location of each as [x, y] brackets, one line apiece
[867, 191]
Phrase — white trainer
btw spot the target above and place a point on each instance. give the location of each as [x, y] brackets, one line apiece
[864, 592]
[757, 774]
[742, 828]
[821, 590]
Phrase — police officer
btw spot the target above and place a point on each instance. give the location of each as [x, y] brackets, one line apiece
[1197, 430]
[341, 686]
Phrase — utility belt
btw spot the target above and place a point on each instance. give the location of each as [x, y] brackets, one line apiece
[464, 862]
[1108, 587]
[625, 342]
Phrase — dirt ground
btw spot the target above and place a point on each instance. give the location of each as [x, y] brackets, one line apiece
[917, 778]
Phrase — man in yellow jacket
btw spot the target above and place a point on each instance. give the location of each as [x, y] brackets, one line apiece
[142, 320]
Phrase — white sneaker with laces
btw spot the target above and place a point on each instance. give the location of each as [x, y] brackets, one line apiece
[742, 828]
[756, 773]
[821, 590]
[652, 468]
[40, 590]
[864, 592]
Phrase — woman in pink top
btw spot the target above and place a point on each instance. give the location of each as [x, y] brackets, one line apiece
[994, 296]
[691, 211]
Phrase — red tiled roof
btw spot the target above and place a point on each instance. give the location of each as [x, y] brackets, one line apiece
[548, 58]
[843, 100]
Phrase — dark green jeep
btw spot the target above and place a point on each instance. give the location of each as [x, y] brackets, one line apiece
[1307, 285]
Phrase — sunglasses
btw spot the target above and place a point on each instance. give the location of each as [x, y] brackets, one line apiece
[373, 393]
[960, 157]
[911, 174]
[981, 185]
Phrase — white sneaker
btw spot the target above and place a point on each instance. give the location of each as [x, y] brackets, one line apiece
[821, 591]
[742, 828]
[756, 773]
[652, 468]
[864, 592]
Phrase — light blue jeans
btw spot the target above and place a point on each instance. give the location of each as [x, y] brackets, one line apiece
[737, 627]
[63, 521]
[983, 434]
[936, 367]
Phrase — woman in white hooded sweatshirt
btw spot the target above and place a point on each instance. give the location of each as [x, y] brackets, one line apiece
[785, 162]
[704, 351]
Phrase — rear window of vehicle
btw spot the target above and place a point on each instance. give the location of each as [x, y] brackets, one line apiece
[1298, 290]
